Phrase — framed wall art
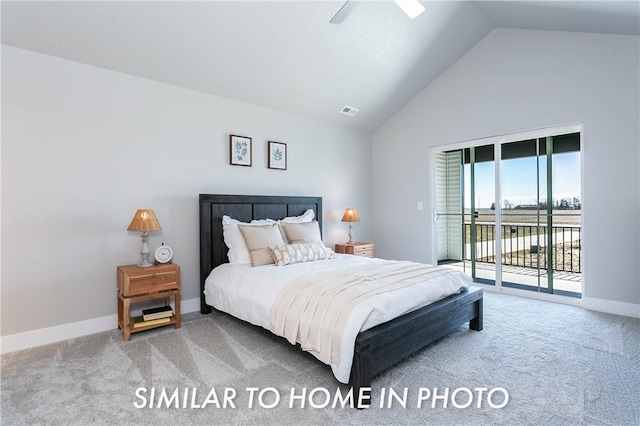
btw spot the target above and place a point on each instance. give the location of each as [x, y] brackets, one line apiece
[240, 150]
[277, 152]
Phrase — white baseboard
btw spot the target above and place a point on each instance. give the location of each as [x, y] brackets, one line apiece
[600, 305]
[611, 307]
[44, 336]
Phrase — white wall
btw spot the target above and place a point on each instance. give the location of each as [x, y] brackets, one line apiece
[517, 80]
[83, 148]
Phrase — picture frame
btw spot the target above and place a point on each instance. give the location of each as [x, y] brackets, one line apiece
[240, 150]
[277, 152]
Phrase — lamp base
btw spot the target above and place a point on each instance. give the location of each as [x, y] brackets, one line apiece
[144, 252]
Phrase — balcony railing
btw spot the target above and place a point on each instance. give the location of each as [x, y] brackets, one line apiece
[526, 245]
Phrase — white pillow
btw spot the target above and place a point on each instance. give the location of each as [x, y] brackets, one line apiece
[238, 252]
[304, 217]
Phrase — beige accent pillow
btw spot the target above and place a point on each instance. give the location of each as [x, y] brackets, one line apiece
[238, 252]
[302, 232]
[258, 239]
[299, 252]
[307, 216]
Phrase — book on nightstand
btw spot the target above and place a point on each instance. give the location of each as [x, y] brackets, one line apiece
[155, 313]
[140, 322]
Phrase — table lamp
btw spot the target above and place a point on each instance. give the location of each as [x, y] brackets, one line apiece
[350, 215]
[145, 221]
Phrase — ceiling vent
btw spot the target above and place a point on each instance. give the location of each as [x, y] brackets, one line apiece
[350, 111]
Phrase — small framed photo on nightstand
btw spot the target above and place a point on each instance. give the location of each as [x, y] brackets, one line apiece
[277, 155]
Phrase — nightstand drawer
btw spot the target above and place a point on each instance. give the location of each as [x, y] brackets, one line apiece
[148, 280]
[364, 251]
[150, 283]
[356, 249]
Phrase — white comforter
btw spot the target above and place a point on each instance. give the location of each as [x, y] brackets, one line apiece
[249, 293]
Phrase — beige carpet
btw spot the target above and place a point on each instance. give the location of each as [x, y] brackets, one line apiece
[559, 365]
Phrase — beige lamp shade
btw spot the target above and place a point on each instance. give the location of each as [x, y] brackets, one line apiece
[350, 215]
[144, 221]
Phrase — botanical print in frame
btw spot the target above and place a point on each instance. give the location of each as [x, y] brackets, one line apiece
[277, 155]
[240, 150]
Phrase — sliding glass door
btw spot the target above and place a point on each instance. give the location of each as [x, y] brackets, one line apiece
[541, 214]
[508, 213]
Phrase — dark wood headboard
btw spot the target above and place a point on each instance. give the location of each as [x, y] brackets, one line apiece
[245, 208]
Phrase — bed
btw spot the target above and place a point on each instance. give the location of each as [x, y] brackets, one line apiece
[375, 349]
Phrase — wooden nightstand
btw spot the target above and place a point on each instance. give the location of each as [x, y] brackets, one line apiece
[356, 249]
[137, 284]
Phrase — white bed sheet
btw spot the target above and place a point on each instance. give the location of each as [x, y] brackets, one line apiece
[248, 293]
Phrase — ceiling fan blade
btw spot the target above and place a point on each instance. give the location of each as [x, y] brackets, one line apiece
[343, 12]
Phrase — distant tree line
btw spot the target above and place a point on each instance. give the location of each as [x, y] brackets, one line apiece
[563, 204]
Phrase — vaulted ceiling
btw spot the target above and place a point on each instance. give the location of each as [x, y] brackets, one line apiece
[285, 55]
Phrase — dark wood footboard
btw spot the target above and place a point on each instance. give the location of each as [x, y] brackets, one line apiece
[382, 346]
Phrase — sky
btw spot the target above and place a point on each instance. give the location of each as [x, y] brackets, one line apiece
[519, 180]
